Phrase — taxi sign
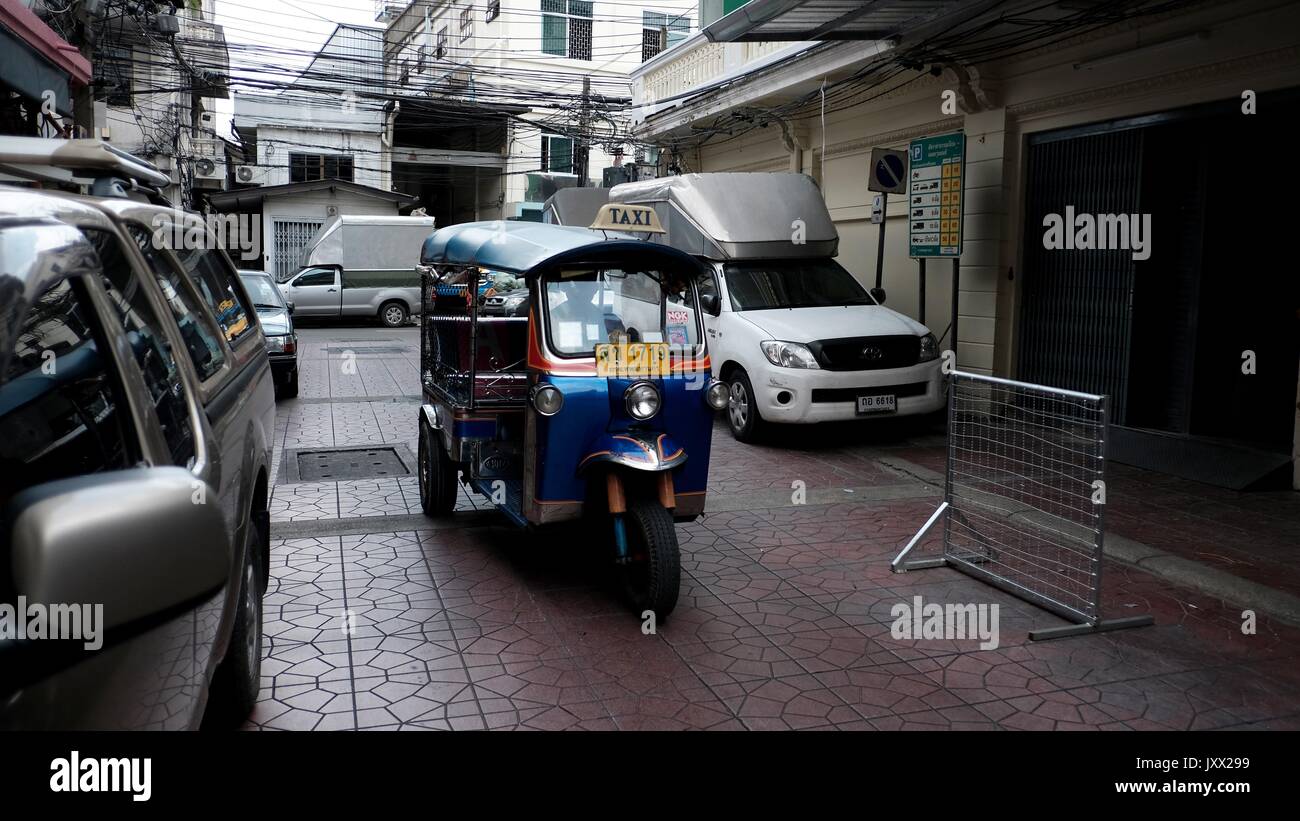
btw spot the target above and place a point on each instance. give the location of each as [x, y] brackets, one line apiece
[637, 218]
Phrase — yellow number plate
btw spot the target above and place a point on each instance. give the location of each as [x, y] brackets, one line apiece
[632, 359]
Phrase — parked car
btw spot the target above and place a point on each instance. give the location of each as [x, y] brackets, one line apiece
[276, 317]
[507, 296]
[136, 424]
[361, 266]
[797, 338]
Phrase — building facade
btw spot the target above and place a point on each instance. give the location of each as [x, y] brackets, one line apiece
[540, 88]
[1125, 115]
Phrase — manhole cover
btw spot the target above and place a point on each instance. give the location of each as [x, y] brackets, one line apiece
[347, 465]
[359, 349]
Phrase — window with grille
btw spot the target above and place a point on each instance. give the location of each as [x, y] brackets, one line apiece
[566, 28]
[660, 31]
[440, 50]
[557, 154]
[493, 10]
[308, 167]
[466, 23]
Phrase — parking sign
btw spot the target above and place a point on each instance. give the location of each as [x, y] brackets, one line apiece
[934, 195]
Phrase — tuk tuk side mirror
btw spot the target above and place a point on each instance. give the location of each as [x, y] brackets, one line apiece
[709, 302]
[878, 294]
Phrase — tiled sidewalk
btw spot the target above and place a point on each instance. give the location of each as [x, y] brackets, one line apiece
[784, 619]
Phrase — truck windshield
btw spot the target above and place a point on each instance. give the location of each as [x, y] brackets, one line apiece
[793, 283]
[589, 307]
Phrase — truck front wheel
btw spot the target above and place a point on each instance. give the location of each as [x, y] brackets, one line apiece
[393, 314]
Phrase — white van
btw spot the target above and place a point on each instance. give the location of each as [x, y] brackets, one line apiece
[361, 266]
[796, 336]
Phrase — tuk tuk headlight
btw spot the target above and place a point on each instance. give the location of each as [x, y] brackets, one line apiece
[717, 394]
[642, 400]
[547, 399]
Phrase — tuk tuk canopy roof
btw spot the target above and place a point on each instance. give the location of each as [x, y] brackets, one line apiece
[522, 246]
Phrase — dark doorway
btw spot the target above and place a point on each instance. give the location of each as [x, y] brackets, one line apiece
[1173, 338]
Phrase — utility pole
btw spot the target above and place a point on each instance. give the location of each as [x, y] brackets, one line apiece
[582, 148]
[83, 97]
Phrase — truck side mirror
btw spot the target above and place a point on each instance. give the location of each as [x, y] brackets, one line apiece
[289, 307]
[709, 302]
[878, 294]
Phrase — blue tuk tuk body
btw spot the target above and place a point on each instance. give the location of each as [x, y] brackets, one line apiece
[523, 410]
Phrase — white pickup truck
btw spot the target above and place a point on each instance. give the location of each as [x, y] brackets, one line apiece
[361, 266]
[797, 338]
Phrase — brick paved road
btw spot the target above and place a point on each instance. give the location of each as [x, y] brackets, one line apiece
[378, 618]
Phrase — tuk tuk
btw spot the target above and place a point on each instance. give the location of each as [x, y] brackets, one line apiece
[597, 403]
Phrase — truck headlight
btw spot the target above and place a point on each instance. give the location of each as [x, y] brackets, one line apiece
[717, 394]
[547, 399]
[929, 348]
[514, 302]
[789, 355]
[642, 400]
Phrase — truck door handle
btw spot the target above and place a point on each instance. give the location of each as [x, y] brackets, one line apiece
[331, 290]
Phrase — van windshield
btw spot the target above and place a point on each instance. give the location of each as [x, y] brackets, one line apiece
[792, 283]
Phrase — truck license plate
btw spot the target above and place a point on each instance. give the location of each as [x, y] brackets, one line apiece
[878, 403]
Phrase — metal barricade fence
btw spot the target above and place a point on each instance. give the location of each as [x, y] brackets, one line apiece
[1024, 498]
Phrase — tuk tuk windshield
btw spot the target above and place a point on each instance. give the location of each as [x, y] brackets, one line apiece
[589, 307]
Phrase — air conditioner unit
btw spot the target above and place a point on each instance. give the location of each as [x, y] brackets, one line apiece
[205, 168]
[250, 175]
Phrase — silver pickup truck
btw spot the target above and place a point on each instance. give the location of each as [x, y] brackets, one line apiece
[361, 266]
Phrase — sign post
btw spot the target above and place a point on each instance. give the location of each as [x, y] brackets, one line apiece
[936, 183]
[888, 176]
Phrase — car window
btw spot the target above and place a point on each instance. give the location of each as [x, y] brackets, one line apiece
[152, 351]
[61, 413]
[315, 278]
[200, 337]
[215, 285]
[262, 291]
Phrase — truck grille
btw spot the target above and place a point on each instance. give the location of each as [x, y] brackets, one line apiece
[820, 395]
[867, 353]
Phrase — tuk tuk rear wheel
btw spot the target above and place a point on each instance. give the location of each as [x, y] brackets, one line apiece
[437, 474]
[653, 573]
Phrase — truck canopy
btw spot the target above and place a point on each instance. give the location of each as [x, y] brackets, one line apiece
[730, 216]
[369, 247]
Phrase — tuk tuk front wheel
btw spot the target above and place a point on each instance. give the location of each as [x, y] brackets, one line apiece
[437, 474]
[652, 573]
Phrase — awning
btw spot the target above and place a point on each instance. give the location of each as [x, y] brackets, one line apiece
[34, 59]
[810, 20]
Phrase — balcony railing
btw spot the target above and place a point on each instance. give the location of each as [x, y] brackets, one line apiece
[203, 44]
[696, 62]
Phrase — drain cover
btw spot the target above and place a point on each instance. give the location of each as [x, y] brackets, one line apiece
[346, 465]
[372, 349]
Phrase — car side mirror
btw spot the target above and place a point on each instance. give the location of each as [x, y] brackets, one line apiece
[141, 542]
[289, 307]
[709, 302]
[878, 294]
